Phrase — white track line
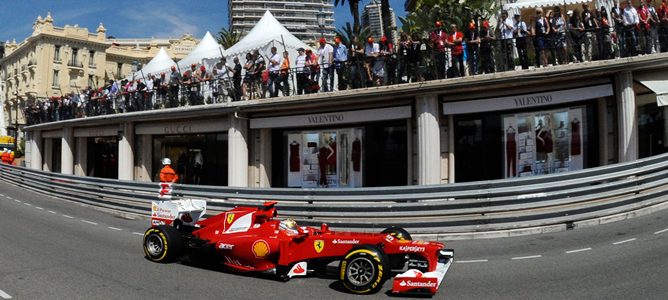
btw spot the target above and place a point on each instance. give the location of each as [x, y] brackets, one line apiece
[4, 295]
[18, 201]
[10, 198]
[26, 203]
[66, 216]
[624, 241]
[2, 195]
[114, 228]
[471, 261]
[89, 222]
[39, 208]
[578, 250]
[527, 257]
[137, 233]
[53, 212]
[661, 231]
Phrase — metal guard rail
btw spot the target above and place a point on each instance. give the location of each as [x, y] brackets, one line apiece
[482, 206]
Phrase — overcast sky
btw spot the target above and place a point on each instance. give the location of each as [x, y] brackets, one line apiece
[133, 19]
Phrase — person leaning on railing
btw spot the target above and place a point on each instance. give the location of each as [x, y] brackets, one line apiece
[340, 63]
[283, 75]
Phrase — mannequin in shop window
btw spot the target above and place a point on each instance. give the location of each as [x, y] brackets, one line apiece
[356, 154]
[198, 165]
[511, 152]
[544, 143]
[327, 160]
[294, 157]
[575, 137]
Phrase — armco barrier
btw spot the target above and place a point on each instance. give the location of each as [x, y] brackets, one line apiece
[434, 210]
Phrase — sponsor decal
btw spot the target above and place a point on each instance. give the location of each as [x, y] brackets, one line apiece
[165, 192]
[319, 245]
[260, 249]
[299, 269]
[240, 224]
[389, 238]
[349, 242]
[223, 246]
[230, 218]
[419, 284]
[411, 249]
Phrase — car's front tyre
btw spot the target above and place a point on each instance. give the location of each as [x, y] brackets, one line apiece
[363, 270]
[163, 244]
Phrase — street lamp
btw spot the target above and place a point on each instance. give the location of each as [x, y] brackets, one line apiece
[320, 16]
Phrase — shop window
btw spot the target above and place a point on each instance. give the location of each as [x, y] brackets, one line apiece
[652, 133]
[102, 157]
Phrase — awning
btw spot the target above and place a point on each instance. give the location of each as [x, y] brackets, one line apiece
[657, 82]
[540, 3]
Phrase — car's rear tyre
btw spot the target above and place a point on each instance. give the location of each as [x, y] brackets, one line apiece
[363, 270]
[399, 233]
[163, 244]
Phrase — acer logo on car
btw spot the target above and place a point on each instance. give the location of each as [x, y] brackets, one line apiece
[411, 249]
[223, 246]
[418, 284]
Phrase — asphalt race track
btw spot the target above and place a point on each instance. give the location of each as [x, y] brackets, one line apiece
[52, 249]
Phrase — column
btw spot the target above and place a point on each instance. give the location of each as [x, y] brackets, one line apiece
[126, 153]
[451, 149]
[428, 135]
[264, 163]
[48, 155]
[36, 150]
[145, 159]
[81, 156]
[628, 120]
[237, 169]
[66, 153]
[603, 149]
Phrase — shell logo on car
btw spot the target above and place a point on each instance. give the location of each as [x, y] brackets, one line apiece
[318, 245]
[260, 249]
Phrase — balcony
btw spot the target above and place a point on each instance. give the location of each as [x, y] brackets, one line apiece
[92, 66]
[75, 65]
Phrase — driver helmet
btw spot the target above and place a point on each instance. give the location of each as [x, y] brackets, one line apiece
[166, 161]
[288, 225]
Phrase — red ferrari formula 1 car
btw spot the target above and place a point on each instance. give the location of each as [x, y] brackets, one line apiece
[251, 239]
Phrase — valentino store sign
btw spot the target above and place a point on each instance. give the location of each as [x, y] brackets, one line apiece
[334, 118]
[527, 100]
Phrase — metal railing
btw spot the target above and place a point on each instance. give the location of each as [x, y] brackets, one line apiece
[485, 206]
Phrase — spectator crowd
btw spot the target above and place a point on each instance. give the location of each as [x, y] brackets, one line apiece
[548, 37]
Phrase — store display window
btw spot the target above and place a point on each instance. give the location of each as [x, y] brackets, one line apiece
[543, 142]
[326, 158]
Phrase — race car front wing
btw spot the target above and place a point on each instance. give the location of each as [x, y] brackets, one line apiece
[415, 281]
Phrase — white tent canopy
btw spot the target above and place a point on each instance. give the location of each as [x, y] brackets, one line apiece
[267, 33]
[540, 3]
[159, 63]
[207, 52]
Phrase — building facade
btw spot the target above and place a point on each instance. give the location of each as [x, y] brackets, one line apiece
[486, 127]
[299, 17]
[54, 61]
[372, 17]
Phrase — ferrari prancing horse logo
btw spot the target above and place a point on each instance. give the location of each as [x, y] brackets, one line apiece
[230, 218]
[319, 245]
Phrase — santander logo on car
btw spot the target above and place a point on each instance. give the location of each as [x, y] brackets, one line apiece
[428, 284]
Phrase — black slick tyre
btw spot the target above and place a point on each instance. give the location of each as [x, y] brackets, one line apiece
[363, 270]
[162, 244]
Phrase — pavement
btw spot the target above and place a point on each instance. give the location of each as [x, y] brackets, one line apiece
[55, 249]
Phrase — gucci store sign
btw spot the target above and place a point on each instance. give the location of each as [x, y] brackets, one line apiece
[183, 127]
[527, 100]
[334, 118]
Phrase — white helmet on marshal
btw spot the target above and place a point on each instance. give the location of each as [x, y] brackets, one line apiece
[166, 161]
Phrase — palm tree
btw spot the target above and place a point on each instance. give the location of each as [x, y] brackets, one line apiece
[348, 34]
[387, 18]
[227, 38]
[354, 11]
